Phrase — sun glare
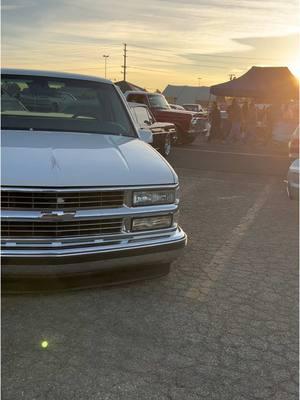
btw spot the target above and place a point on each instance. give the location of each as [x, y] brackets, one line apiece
[294, 66]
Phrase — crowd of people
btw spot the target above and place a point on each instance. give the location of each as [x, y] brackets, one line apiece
[244, 123]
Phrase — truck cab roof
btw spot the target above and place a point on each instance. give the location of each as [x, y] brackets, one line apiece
[52, 74]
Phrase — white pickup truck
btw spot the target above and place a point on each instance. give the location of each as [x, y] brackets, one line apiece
[81, 192]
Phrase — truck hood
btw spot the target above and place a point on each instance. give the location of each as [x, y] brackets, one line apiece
[162, 125]
[182, 113]
[67, 159]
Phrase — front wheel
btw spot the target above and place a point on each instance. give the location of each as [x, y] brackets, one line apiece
[166, 145]
[180, 137]
[184, 138]
[189, 139]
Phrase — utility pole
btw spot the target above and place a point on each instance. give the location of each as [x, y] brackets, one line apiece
[199, 79]
[124, 66]
[105, 56]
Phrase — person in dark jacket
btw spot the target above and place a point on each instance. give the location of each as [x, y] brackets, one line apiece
[251, 123]
[235, 116]
[215, 121]
[244, 111]
[269, 119]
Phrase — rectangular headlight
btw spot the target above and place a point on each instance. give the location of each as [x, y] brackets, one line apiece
[153, 197]
[157, 222]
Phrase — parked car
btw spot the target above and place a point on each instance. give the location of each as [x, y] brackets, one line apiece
[163, 132]
[294, 144]
[176, 107]
[186, 122]
[81, 190]
[293, 180]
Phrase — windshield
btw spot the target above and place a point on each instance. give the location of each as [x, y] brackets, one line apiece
[158, 101]
[191, 107]
[53, 104]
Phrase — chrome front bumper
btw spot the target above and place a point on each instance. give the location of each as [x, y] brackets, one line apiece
[132, 251]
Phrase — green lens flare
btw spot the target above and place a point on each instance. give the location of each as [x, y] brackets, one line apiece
[44, 344]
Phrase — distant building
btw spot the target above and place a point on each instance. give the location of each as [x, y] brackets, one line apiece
[188, 94]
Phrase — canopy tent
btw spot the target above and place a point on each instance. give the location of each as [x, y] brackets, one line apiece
[125, 86]
[267, 83]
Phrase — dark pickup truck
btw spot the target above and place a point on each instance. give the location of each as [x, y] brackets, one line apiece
[188, 124]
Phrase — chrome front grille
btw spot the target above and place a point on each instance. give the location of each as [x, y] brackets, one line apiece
[60, 229]
[56, 221]
[61, 200]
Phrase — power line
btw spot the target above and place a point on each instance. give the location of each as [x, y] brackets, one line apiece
[151, 48]
[197, 66]
[149, 69]
[191, 65]
[163, 61]
[208, 55]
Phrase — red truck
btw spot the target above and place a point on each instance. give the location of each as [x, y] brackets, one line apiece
[188, 124]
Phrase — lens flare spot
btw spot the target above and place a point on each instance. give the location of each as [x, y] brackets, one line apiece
[44, 344]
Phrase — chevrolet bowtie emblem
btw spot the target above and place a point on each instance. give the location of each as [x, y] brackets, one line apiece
[57, 214]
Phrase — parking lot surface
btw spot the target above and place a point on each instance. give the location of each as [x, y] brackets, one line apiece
[222, 325]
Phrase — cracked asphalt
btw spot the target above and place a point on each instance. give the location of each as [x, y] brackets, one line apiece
[222, 325]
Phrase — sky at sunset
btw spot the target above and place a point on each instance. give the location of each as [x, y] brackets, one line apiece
[173, 42]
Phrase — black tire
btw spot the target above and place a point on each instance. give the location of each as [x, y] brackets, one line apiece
[189, 139]
[184, 138]
[166, 145]
[181, 138]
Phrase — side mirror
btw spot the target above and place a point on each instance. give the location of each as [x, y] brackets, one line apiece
[146, 135]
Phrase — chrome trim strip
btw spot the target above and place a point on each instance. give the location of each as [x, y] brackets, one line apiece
[143, 235]
[123, 212]
[87, 189]
[177, 236]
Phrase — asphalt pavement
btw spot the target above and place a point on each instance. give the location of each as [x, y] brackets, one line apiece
[222, 325]
[271, 159]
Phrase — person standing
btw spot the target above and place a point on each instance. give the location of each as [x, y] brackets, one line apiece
[270, 116]
[234, 113]
[251, 123]
[215, 121]
[244, 122]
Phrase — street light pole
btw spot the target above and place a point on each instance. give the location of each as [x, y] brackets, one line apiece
[105, 56]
